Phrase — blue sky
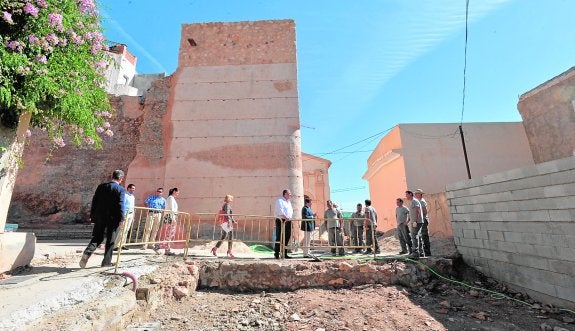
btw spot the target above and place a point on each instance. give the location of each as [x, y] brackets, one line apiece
[366, 66]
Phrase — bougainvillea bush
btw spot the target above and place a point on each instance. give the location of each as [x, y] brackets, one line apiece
[52, 62]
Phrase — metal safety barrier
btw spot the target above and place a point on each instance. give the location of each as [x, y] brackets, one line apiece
[157, 229]
[343, 238]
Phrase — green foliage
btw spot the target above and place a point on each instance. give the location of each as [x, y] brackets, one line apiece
[52, 61]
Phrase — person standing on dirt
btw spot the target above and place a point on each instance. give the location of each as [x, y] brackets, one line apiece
[424, 245]
[307, 226]
[370, 228]
[401, 216]
[415, 220]
[227, 226]
[283, 212]
[357, 228]
[156, 203]
[167, 231]
[107, 212]
[334, 228]
[130, 203]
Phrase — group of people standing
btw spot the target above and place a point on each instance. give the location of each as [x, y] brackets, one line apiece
[113, 206]
[162, 220]
[363, 220]
[112, 212]
[413, 213]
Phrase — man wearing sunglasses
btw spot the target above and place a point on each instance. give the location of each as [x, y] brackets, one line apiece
[156, 203]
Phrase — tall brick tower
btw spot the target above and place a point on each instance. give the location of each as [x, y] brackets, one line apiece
[232, 119]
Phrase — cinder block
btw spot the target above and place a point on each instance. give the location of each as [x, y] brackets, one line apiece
[477, 243]
[557, 240]
[537, 250]
[515, 237]
[563, 190]
[495, 235]
[531, 227]
[537, 285]
[561, 215]
[469, 234]
[486, 254]
[562, 177]
[528, 193]
[566, 254]
[500, 246]
[527, 215]
[561, 228]
[529, 261]
[457, 240]
[481, 234]
[547, 167]
[502, 256]
[566, 293]
[498, 226]
[549, 277]
[470, 225]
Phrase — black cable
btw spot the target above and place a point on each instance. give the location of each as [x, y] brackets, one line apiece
[465, 60]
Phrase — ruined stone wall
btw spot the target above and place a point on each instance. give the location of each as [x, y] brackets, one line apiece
[226, 122]
[518, 227]
[548, 113]
[55, 187]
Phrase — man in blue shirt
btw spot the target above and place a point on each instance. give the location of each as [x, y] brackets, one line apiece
[129, 204]
[156, 203]
[107, 211]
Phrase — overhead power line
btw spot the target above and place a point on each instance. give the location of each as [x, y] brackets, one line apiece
[465, 60]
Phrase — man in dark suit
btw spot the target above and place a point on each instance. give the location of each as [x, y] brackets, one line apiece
[107, 213]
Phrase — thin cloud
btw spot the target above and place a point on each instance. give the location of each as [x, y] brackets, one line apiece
[132, 43]
[398, 40]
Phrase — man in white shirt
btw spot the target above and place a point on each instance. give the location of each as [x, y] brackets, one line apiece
[416, 222]
[424, 245]
[283, 213]
[129, 204]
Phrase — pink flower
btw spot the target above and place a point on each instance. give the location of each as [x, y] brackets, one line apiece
[30, 9]
[59, 141]
[55, 19]
[109, 133]
[89, 141]
[76, 39]
[42, 59]
[28, 133]
[100, 129]
[52, 38]
[34, 40]
[7, 17]
[14, 45]
[107, 114]
[107, 125]
[87, 7]
[42, 3]
[100, 64]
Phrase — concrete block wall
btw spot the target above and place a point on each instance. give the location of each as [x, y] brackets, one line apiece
[518, 226]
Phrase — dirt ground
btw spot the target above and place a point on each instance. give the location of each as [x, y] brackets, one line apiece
[440, 305]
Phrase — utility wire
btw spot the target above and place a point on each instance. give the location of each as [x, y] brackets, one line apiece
[355, 143]
[465, 60]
